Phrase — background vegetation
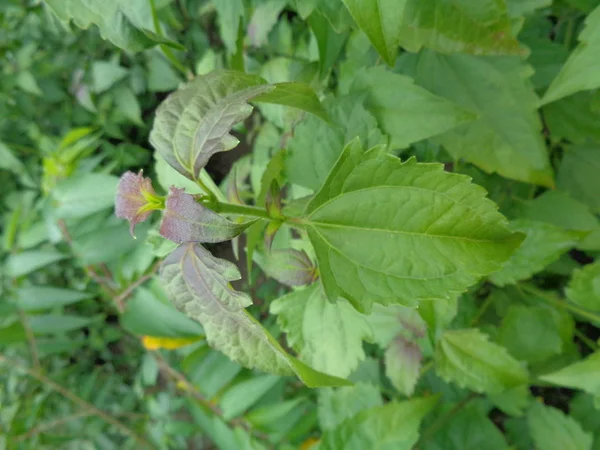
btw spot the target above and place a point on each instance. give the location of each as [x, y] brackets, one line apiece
[94, 356]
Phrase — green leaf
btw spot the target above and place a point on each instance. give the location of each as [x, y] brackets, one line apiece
[193, 123]
[244, 395]
[45, 297]
[128, 24]
[467, 358]
[387, 231]
[513, 401]
[584, 287]
[551, 429]
[507, 136]
[229, 15]
[394, 425]
[337, 405]
[543, 245]
[329, 42]
[57, 323]
[575, 119]
[197, 283]
[327, 336]
[316, 145]
[26, 262]
[146, 315]
[297, 95]
[403, 364]
[128, 105]
[408, 113]
[389, 321]
[530, 333]
[161, 76]
[561, 210]
[105, 74]
[582, 69]
[581, 375]
[578, 174]
[290, 267]
[84, 194]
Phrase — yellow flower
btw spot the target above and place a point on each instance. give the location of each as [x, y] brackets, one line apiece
[169, 343]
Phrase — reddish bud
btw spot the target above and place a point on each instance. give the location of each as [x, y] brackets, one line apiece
[136, 198]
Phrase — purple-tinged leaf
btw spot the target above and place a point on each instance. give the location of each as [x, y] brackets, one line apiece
[290, 267]
[403, 364]
[272, 229]
[198, 285]
[136, 198]
[186, 220]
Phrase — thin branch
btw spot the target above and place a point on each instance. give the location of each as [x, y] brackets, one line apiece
[120, 299]
[41, 428]
[77, 400]
[30, 340]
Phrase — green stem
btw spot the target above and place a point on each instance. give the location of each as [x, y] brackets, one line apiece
[586, 340]
[210, 187]
[242, 210]
[482, 309]
[549, 298]
[166, 50]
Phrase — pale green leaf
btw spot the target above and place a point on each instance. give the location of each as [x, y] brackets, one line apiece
[316, 145]
[126, 24]
[530, 333]
[580, 375]
[584, 287]
[229, 15]
[551, 429]
[582, 69]
[244, 395]
[506, 138]
[329, 42]
[403, 364]
[105, 74]
[408, 113]
[27, 82]
[23, 263]
[578, 174]
[543, 245]
[128, 105]
[327, 336]
[337, 405]
[198, 284]
[387, 231]
[57, 323]
[392, 426]
[84, 194]
[161, 75]
[467, 358]
[290, 267]
[263, 19]
[45, 297]
[389, 321]
[297, 95]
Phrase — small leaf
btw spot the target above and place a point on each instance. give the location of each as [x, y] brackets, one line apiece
[186, 220]
[467, 358]
[297, 95]
[290, 267]
[403, 364]
[36, 298]
[584, 287]
[337, 405]
[392, 426]
[84, 194]
[581, 375]
[551, 429]
[57, 323]
[577, 173]
[23, 263]
[198, 284]
[388, 232]
[136, 199]
[327, 336]
[582, 69]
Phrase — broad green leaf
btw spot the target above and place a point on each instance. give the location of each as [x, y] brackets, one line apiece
[327, 336]
[57, 323]
[316, 145]
[584, 287]
[389, 321]
[581, 375]
[543, 245]
[469, 429]
[577, 120]
[387, 231]
[128, 24]
[83, 195]
[551, 429]
[403, 364]
[45, 297]
[530, 333]
[161, 75]
[297, 95]
[506, 138]
[193, 123]
[263, 19]
[23, 263]
[329, 42]
[244, 395]
[229, 15]
[513, 401]
[447, 27]
[561, 210]
[392, 426]
[105, 244]
[582, 69]
[583, 410]
[290, 267]
[197, 283]
[467, 358]
[337, 405]
[146, 315]
[577, 174]
[407, 112]
[105, 74]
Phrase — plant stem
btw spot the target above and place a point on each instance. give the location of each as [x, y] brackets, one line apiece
[586, 340]
[551, 299]
[242, 210]
[30, 340]
[77, 400]
[166, 50]
[482, 309]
